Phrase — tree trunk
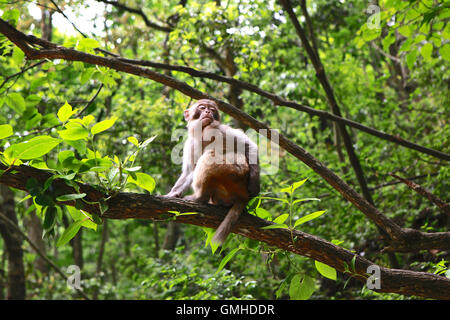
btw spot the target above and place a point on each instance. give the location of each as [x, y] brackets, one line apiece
[13, 244]
[34, 230]
[77, 249]
[171, 237]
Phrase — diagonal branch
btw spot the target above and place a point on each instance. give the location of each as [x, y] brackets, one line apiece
[143, 206]
[402, 239]
[323, 79]
[445, 207]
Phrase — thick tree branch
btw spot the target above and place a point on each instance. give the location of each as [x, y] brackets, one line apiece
[143, 206]
[401, 237]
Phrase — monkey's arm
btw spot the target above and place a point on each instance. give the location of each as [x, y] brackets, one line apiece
[185, 180]
[183, 183]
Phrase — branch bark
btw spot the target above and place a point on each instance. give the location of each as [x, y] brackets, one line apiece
[403, 239]
[143, 206]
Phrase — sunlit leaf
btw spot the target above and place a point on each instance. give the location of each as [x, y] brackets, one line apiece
[69, 233]
[65, 112]
[326, 270]
[103, 125]
[74, 133]
[308, 217]
[34, 148]
[16, 102]
[5, 131]
[226, 259]
[144, 181]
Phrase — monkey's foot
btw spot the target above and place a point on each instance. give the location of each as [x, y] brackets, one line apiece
[190, 198]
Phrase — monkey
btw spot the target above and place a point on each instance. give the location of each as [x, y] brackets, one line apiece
[220, 163]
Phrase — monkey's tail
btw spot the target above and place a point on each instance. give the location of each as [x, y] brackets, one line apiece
[227, 224]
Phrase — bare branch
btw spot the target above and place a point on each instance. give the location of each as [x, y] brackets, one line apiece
[445, 207]
[139, 12]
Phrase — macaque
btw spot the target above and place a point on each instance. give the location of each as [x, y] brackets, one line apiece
[220, 163]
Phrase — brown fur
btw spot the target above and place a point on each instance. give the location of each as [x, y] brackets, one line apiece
[219, 173]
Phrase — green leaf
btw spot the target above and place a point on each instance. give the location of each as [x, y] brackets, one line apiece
[88, 43]
[281, 218]
[18, 56]
[15, 101]
[144, 181]
[263, 213]
[65, 112]
[326, 270]
[276, 226]
[445, 51]
[308, 217]
[77, 214]
[305, 199]
[133, 140]
[147, 142]
[72, 196]
[298, 184]
[5, 131]
[287, 190]
[411, 58]
[73, 133]
[371, 34]
[103, 125]
[69, 233]
[86, 75]
[49, 219]
[388, 40]
[426, 51]
[34, 148]
[301, 289]
[185, 213]
[226, 259]
[405, 30]
[12, 16]
[133, 169]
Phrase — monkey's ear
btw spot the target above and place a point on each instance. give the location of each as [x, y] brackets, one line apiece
[186, 114]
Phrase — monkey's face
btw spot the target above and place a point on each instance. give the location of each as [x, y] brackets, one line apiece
[204, 111]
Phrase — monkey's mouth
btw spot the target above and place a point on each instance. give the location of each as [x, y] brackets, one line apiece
[207, 117]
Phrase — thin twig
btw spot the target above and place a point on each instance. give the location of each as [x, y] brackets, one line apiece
[445, 207]
[6, 79]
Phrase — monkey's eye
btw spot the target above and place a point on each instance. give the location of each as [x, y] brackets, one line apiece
[202, 108]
